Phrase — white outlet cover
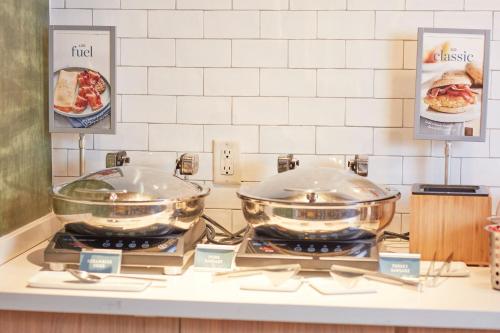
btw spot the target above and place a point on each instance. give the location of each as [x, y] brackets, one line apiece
[226, 162]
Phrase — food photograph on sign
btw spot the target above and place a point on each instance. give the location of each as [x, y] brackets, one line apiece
[452, 77]
[82, 66]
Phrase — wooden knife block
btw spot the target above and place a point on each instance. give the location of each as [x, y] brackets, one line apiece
[450, 223]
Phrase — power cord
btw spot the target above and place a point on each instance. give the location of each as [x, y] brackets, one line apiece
[225, 237]
[390, 234]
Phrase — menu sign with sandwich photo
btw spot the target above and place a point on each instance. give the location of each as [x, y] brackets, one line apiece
[452, 84]
[82, 79]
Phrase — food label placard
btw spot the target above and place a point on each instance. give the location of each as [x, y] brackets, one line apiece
[400, 264]
[101, 261]
[214, 257]
[452, 84]
[82, 79]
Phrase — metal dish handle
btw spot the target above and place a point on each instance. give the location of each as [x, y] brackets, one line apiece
[112, 195]
[89, 190]
[312, 190]
[311, 194]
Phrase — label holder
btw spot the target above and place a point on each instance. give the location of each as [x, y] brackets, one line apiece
[101, 261]
[214, 257]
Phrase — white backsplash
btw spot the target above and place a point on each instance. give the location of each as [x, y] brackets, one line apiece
[324, 79]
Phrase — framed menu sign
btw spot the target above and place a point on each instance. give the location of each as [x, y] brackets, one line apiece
[452, 84]
[82, 79]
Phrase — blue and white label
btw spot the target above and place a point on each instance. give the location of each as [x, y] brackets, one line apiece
[400, 264]
[101, 261]
[214, 257]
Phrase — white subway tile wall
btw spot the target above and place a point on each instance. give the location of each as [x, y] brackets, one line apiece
[436, 5]
[147, 52]
[317, 53]
[465, 20]
[401, 24]
[317, 111]
[288, 82]
[323, 79]
[260, 4]
[148, 108]
[174, 24]
[374, 112]
[346, 24]
[231, 24]
[203, 53]
[344, 140]
[317, 4]
[288, 24]
[129, 23]
[92, 3]
[204, 4]
[147, 4]
[260, 110]
[259, 53]
[175, 81]
[132, 80]
[383, 54]
[203, 110]
[345, 82]
[376, 4]
[292, 139]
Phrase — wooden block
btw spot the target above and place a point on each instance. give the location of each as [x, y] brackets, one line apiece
[446, 223]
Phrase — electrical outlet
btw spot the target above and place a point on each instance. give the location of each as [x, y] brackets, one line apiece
[226, 162]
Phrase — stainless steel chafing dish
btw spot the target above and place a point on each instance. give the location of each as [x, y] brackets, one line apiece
[318, 203]
[130, 200]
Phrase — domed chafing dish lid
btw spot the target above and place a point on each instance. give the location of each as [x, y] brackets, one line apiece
[130, 184]
[317, 186]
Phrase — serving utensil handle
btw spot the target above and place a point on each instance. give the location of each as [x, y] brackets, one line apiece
[380, 276]
[257, 270]
[136, 277]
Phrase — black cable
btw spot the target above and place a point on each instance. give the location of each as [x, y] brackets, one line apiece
[203, 234]
[225, 237]
[390, 234]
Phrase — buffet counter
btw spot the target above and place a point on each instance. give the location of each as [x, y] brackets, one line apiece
[467, 303]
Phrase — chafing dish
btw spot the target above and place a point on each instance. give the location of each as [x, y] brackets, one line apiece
[130, 200]
[318, 203]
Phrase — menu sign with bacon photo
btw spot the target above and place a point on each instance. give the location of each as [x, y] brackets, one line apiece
[82, 76]
[452, 84]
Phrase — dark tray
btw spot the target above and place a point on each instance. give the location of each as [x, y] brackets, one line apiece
[461, 190]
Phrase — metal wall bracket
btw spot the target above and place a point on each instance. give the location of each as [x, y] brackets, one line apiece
[287, 162]
[359, 165]
[117, 159]
[187, 164]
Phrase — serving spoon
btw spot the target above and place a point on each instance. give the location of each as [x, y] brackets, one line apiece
[277, 274]
[87, 277]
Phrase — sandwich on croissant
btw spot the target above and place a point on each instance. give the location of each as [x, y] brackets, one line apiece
[451, 93]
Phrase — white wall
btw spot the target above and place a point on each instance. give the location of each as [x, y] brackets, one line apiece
[323, 79]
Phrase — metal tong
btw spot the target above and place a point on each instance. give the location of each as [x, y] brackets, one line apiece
[430, 271]
[373, 275]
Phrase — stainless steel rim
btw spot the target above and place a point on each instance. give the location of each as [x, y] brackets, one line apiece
[204, 191]
[392, 197]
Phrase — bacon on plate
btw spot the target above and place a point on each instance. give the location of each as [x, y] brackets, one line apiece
[87, 92]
